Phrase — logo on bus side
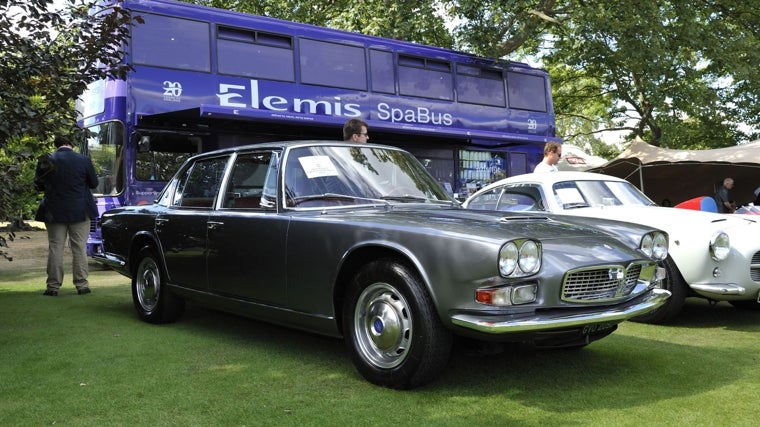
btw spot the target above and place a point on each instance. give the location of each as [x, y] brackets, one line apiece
[172, 91]
[234, 95]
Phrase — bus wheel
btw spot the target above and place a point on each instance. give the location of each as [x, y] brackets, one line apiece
[392, 331]
[153, 300]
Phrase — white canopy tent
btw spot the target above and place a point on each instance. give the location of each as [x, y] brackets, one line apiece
[575, 159]
[677, 175]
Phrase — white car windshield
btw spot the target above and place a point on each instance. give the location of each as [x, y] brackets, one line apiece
[578, 194]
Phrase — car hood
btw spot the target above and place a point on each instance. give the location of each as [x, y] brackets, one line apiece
[482, 224]
[675, 221]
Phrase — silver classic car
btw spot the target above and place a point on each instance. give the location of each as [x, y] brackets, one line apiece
[360, 242]
[711, 256]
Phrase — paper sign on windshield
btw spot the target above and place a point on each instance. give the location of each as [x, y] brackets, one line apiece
[317, 166]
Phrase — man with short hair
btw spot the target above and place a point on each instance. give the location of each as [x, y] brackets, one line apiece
[355, 130]
[67, 178]
[552, 154]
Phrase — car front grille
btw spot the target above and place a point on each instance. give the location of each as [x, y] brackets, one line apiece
[602, 283]
[754, 267]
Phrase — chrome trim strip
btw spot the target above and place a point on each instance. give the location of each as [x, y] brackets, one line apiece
[109, 260]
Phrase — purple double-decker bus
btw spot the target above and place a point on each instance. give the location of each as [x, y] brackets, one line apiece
[206, 78]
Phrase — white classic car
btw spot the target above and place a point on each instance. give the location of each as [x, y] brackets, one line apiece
[713, 256]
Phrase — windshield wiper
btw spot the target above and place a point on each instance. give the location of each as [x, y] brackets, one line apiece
[406, 198]
[334, 196]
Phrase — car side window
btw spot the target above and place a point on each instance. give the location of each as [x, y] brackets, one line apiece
[200, 183]
[509, 199]
[525, 197]
[249, 182]
[485, 201]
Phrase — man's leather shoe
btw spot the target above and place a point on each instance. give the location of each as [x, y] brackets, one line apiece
[50, 293]
[83, 291]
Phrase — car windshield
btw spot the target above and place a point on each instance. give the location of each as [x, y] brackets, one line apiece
[579, 194]
[355, 175]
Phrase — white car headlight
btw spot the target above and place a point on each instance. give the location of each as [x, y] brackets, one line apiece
[720, 246]
[520, 258]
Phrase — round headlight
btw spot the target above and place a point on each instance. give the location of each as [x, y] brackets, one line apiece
[720, 246]
[530, 259]
[508, 258]
[660, 246]
[646, 244]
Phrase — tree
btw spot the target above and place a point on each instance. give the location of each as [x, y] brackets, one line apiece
[409, 20]
[678, 74]
[47, 58]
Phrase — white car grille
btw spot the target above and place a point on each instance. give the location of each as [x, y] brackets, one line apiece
[754, 267]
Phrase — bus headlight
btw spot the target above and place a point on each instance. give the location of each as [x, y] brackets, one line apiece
[520, 258]
[720, 246]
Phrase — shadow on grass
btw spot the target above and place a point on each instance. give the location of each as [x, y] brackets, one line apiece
[699, 313]
[630, 371]
[625, 366]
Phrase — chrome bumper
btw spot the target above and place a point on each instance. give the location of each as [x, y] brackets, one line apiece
[652, 301]
[719, 289]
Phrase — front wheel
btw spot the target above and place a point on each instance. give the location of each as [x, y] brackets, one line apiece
[674, 283]
[154, 302]
[393, 333]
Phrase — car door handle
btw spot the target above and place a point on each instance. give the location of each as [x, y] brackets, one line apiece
[214, 225]
[161, 221]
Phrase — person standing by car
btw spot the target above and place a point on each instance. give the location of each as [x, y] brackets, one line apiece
[67, 178]
[722, 198]
[355, 130]
[552, 154]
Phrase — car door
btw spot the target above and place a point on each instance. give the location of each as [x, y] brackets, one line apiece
[183, 228]
[246, 245]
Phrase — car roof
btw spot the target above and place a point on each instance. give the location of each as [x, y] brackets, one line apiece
[553, 177]
[290, 144]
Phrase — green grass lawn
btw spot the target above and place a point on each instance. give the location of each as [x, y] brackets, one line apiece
[88, 361]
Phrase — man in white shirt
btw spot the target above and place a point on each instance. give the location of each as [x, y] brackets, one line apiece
[552, 154]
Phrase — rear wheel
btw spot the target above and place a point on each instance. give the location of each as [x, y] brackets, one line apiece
[393, 333]
[153, 300]
[674, 283]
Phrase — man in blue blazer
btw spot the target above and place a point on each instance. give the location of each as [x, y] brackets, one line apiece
[67, 178]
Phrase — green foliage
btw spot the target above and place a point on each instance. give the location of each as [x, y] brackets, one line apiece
[677, 74]
[47, 58]
[409, 20]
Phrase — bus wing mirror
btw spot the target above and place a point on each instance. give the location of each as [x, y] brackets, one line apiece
[143, 145]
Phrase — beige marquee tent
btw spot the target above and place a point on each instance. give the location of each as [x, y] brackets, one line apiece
[677, 175]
